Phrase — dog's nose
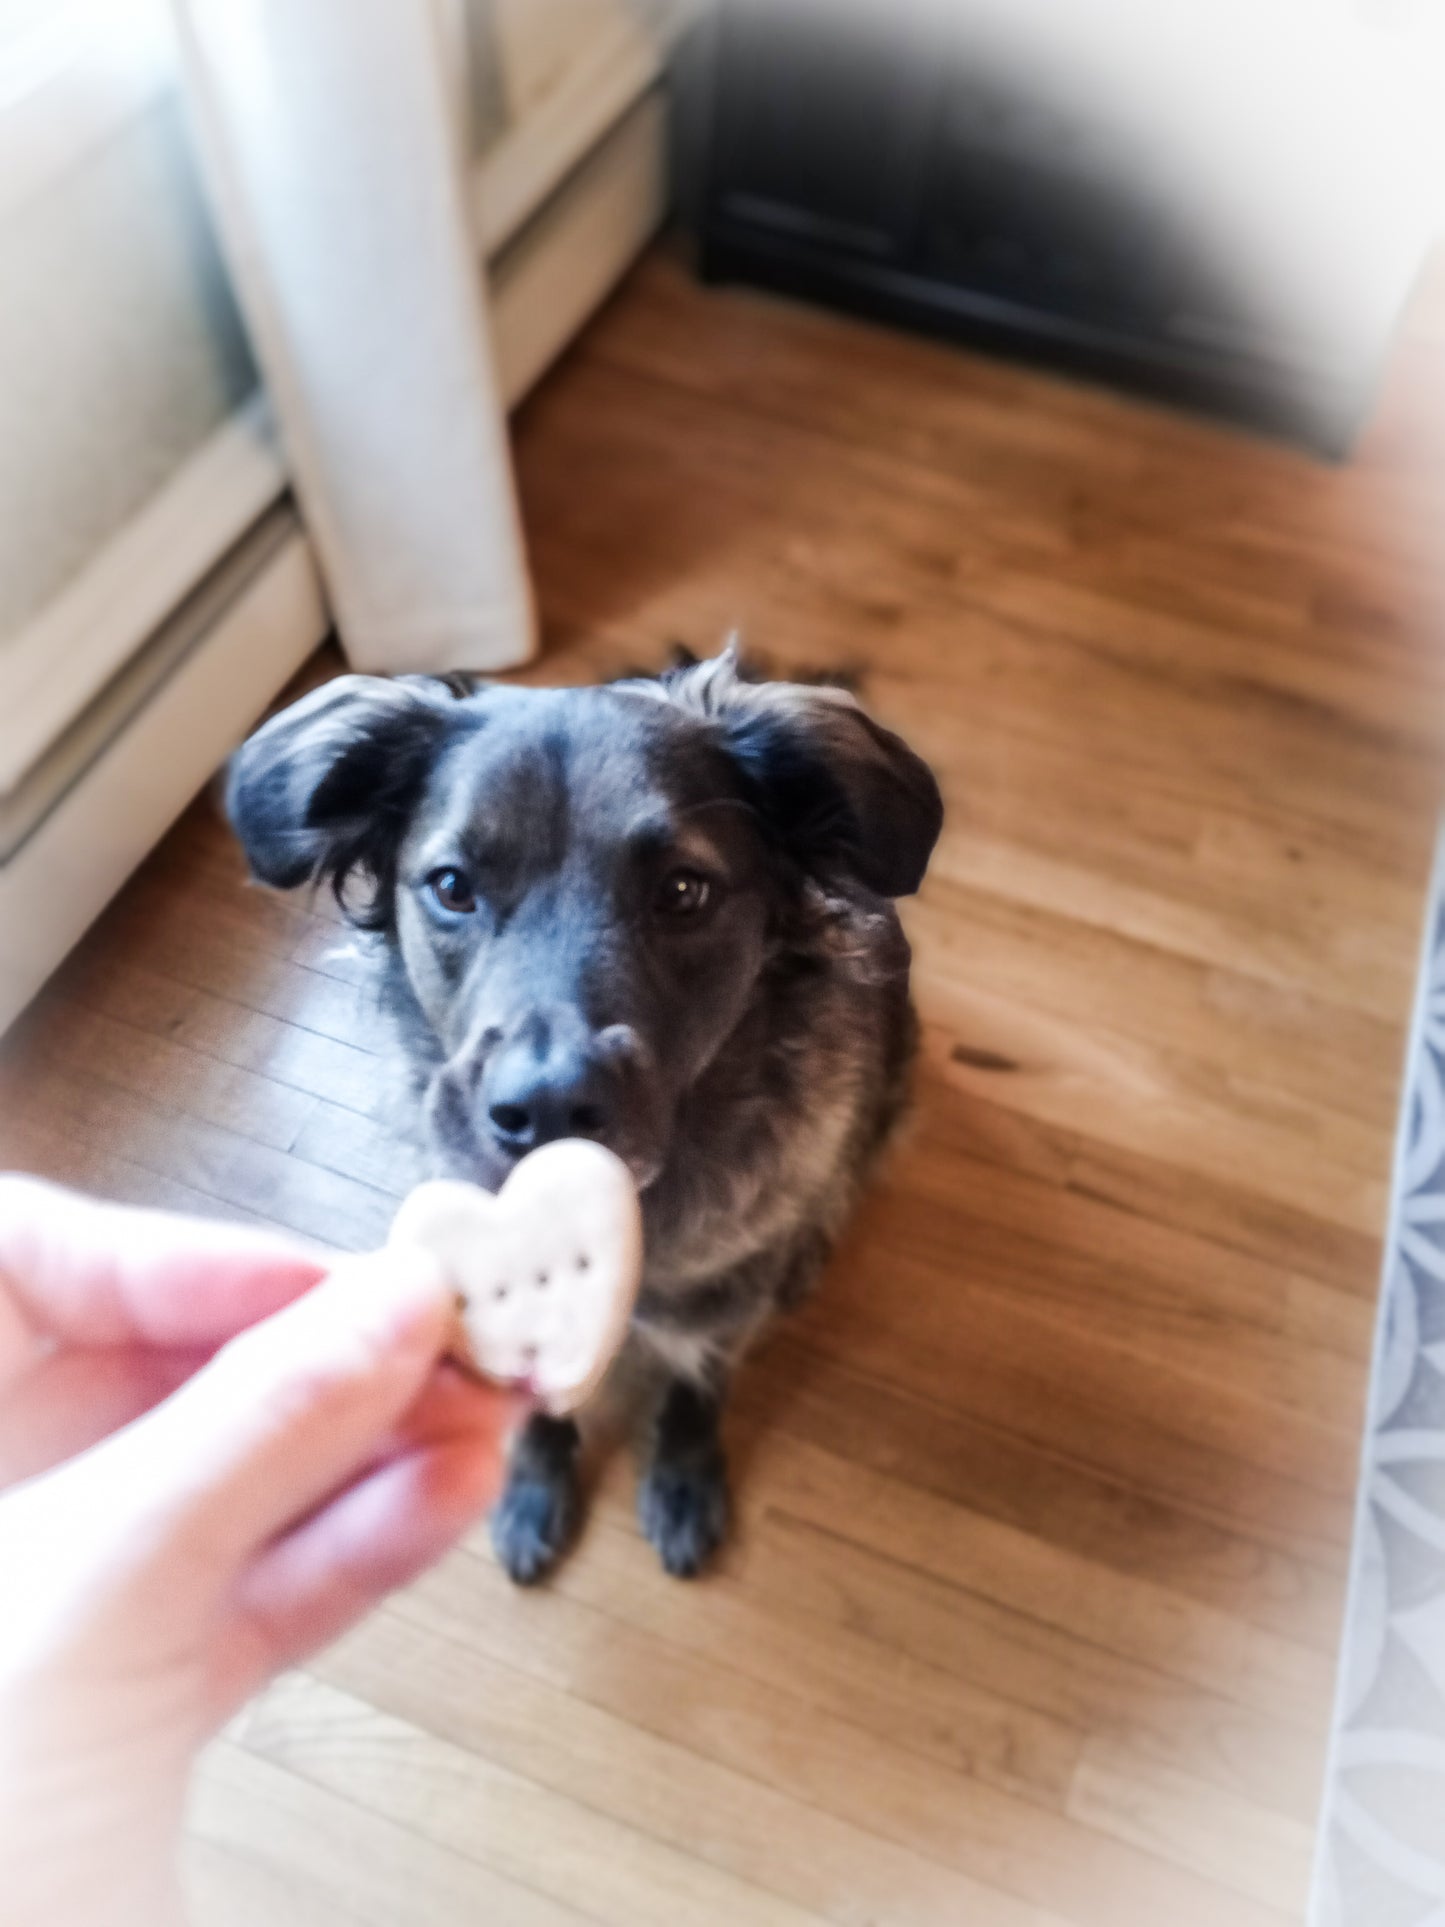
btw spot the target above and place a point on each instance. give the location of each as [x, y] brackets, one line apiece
[533, 1096]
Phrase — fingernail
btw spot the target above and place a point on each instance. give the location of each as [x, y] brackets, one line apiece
[399, 1297]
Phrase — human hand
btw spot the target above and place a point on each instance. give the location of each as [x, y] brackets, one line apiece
[217, 1450]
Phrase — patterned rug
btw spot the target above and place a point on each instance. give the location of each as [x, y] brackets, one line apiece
[1382, 1845]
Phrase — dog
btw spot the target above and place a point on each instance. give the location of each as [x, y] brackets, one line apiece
[658, 913]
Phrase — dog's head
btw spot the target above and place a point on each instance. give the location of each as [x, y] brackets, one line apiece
[583, 885]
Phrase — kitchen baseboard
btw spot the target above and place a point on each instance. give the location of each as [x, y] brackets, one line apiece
[577, 246]
[97, 831]
[131, 585]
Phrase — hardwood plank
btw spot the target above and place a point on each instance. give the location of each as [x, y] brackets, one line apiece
[306, 924]
[1053, 956]
[1102, 1297]
[759, 1834]
[964, 1725]
[1229, 1212]
[336, 1139]
[93, 1044]
[51, 1151]
[968, 414]
[1256, 1852]
[987, 1835]
[1141, 1102]
[973, 417]
[584, 1859]
[230, 1168]
[223, 1888]
[1127, 1615]
[226, 955]
[130, 991]
[1014, 1478]
[1160, 1431]
[1050, 867]
[805, 1572]
[348, 1863]
[1204, 1281]
[850, 1597]
[851, 517]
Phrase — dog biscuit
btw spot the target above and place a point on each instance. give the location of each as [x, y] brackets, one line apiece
[546, 1272]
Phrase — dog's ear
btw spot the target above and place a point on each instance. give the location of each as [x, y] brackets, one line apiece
[324, 789]
[838, 789]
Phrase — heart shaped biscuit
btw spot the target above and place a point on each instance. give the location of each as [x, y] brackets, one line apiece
[547, 1271]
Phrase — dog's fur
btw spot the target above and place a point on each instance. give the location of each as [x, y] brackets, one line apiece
[747, 1058]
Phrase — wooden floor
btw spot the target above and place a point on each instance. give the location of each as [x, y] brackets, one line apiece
[1045, 1504]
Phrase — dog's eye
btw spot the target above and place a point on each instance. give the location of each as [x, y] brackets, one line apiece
[682, 894]
[452, 891]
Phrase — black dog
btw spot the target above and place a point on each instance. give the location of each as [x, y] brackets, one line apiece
[658, 914]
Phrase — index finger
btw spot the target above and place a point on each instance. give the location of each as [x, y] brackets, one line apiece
[110, 1274]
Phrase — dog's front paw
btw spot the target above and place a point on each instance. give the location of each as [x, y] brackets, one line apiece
[684, 1508]
[533, 1524]
[534, 1520]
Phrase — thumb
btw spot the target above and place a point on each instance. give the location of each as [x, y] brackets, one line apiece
[289, 1411]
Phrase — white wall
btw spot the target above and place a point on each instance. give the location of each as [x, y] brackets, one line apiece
[120, 352]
